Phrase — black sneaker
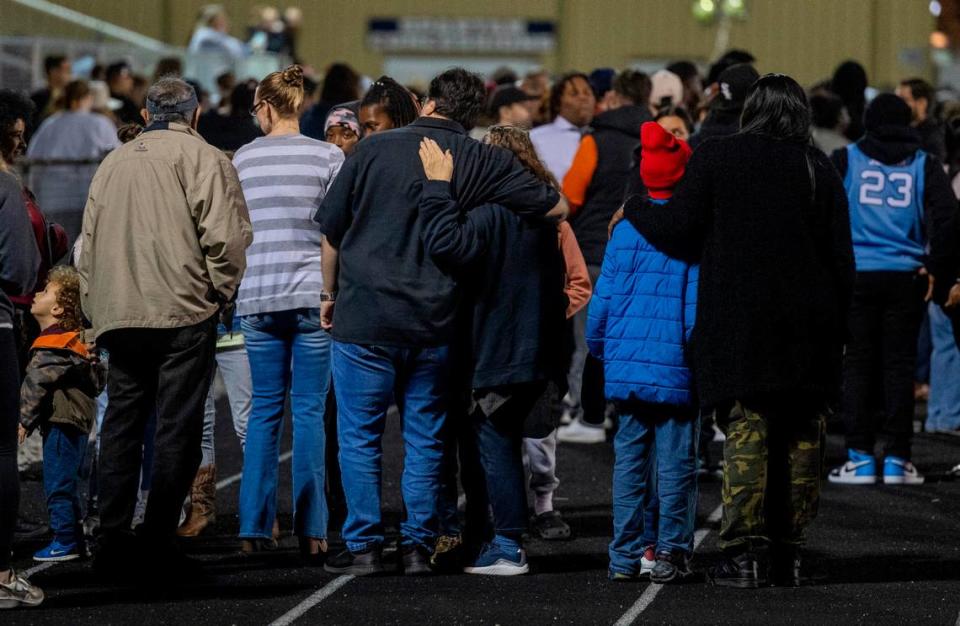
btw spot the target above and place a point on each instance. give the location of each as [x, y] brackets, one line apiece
[29, 530]
[550, 526]
[416, 560]
[366, 563]
[743, 571]
[671, 567]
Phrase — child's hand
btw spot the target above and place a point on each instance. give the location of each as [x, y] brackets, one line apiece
[22, 435]
[437, 164]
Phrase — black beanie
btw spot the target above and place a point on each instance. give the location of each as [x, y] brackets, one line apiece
[887, 110]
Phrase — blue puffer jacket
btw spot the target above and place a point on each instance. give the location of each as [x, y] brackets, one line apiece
[639, 321]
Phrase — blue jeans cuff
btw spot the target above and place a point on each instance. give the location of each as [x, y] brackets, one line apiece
[360, 547]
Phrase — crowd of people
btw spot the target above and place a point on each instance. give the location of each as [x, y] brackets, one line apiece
[516, 265]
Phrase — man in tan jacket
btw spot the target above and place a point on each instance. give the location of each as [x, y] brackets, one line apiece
[164, 234]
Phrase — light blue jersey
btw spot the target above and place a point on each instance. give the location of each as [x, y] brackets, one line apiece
[886, 211]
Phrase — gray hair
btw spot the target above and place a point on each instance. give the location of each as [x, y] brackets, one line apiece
[166, 99]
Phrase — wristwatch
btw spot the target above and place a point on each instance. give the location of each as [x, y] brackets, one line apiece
[328, 296]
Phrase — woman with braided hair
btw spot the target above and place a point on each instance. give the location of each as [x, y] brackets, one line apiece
[387, 105]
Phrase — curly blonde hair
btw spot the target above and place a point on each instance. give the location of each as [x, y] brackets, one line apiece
[67, 281]
[517, 140]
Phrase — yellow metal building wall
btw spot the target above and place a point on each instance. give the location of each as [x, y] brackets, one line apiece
[804, 38]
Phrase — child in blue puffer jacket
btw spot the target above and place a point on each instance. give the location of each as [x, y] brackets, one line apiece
[638, 323]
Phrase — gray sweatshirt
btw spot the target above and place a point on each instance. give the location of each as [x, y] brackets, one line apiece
[19, 255]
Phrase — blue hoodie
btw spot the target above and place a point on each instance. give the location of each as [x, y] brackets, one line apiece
[639, 321]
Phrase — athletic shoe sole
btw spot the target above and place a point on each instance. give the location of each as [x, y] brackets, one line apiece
[738, 583]
[676, 576]
[14, 603]
[852, 480]
[903, 480]
[500, 568]
[583, 440]
[57, 559]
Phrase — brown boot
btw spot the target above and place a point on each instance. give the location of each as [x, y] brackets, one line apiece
[203, 498]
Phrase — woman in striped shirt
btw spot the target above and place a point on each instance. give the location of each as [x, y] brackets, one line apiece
[285, 176]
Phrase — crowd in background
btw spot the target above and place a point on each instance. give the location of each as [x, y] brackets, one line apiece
[685, 256]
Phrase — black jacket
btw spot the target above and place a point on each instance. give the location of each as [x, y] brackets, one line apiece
[933, 138]
[227, 132]
[891, 145]
[776, 267]
[719, 123]
[390, 292]
[617, 134]
[513, 275]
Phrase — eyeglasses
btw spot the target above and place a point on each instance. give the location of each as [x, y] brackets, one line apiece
[256, 107]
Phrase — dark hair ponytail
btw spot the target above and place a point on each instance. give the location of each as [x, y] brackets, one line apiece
[777, 107]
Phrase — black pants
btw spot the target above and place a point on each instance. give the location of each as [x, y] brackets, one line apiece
[167, 370]
[25, 330]
[878, 368]
[9, 419]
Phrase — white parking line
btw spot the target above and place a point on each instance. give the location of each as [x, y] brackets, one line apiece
[226, 482]
[39, 568]
[316, 598]
[229, 480]
[653, 589]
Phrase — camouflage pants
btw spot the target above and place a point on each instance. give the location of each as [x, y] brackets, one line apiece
[773, 460]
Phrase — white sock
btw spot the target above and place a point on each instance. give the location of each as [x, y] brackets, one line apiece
[543, 503]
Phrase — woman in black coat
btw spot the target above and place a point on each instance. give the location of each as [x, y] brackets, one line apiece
[765, 214]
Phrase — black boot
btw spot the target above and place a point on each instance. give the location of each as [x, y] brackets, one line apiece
[416, 560]
[746, 570]
[786, 567]
[366, 563]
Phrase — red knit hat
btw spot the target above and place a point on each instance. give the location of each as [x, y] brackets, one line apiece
[663, 160]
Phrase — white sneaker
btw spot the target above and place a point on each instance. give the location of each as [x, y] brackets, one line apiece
[566, 417]
[578, 432]
[19, 592]
[860, 469]
[648, 561]
[898, 471]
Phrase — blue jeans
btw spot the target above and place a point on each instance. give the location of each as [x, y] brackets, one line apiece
[943, 409]
[656, 453]
[366, 381]
[64, 447]
[234, 367]
[287, 349]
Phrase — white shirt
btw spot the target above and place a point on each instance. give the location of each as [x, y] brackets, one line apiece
[556, 145]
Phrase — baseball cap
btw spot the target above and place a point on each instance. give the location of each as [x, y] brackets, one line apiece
[507, 95]
[734, 85]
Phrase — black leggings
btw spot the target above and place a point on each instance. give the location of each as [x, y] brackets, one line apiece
[9, 418]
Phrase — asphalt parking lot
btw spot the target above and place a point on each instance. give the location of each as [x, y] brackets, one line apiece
[882, 555]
